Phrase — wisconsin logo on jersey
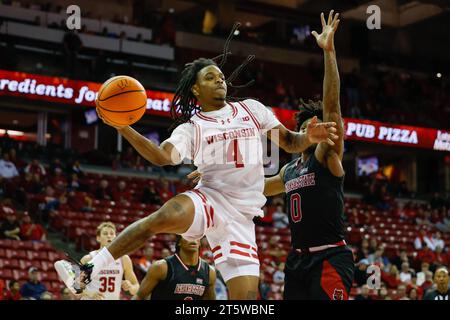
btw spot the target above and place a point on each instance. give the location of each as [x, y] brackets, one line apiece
[246, 118]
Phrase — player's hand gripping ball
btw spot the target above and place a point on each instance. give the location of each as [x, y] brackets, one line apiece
[121, 101]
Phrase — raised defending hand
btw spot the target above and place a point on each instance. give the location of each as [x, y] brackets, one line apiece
[325, 40]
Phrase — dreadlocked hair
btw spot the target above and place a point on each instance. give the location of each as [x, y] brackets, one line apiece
[184, 103]
[308, 111]
[177, 244]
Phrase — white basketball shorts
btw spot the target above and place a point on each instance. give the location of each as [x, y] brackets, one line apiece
[230, 233]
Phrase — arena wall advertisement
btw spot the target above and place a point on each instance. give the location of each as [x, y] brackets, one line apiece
[83, 93]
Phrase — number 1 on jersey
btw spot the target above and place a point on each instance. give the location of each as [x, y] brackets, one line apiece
[296, 207]
[234, 154]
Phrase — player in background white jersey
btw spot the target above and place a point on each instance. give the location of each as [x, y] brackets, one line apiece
[231, 191]
[108, 284]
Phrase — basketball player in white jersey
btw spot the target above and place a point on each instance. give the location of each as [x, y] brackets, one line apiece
[223, 139]
[108, 284]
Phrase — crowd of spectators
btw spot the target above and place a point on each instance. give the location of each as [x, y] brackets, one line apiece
[369, 93]
[33, 289]
[390, 96]
[58, 184]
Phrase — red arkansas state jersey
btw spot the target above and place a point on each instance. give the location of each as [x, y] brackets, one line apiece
[226, 147]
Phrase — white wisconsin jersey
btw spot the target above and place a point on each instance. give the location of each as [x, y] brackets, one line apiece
[226, 147]
[108, 281]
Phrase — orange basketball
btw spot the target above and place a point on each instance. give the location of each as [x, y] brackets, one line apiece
[121, 100]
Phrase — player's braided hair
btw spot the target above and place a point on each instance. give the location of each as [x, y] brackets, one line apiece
[184, 103]
[308, 111]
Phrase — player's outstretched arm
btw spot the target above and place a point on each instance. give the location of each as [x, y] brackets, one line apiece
[297, 142]
[275, 185]
[155, 274]
[331, 155]
[211, 291]
[130, 283]
[158, 155]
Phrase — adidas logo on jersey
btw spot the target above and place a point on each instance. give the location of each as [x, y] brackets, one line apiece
[199, 281]
[246, 118]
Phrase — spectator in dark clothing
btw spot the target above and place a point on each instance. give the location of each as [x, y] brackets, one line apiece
[398, 260]
[360, 272]
[10, 228]
[76, 168]
[103, 192]
[71, 46]
[150, 196]
[56, 164]
[363, 250]
[33, 288]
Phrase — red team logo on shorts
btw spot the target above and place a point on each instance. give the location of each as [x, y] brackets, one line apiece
[338, 294]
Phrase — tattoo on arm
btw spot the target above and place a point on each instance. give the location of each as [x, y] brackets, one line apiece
[296, 142]
[178, 207]
[290, 138]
